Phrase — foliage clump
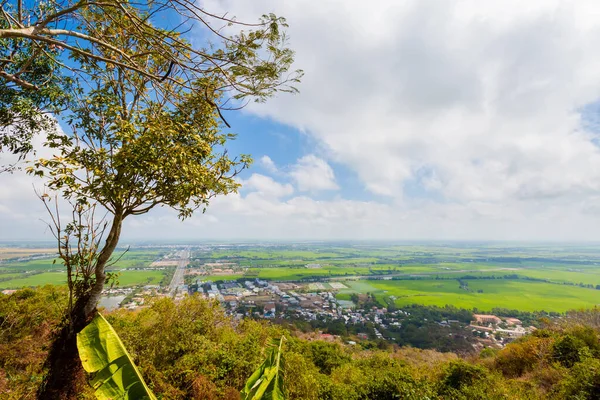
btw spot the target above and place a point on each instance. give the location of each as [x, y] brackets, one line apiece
[192, 350]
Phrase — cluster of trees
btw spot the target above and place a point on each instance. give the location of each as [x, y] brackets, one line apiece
[534, 318]
[364, 301]
[192, 349]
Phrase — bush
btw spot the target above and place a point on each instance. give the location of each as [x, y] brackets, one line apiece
[459, 374]
[27, 321]
[520, 357]
[583, 382]
[566, 350]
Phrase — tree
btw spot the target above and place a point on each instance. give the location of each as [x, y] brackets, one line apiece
[45, 44]
[458, 375]
[136, 145]
[567, 349]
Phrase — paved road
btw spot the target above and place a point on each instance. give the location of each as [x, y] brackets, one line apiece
[177, 280]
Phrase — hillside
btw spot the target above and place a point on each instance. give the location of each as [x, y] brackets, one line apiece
[191, 349]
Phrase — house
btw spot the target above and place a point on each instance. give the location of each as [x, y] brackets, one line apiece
[327, 337]
[513, 321]
[270, 308]
[306, 303]
[487, 319]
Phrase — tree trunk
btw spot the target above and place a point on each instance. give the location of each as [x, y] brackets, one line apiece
[109, 247]
[65, 378]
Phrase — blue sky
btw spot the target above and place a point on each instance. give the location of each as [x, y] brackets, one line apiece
[418, 119]
[284, 146]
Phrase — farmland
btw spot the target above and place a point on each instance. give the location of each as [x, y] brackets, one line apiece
[521, 276]
[11, 253]
[132, 268]
[483, 276]
[520, 295]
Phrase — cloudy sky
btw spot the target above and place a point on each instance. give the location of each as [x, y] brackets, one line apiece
[416, 120]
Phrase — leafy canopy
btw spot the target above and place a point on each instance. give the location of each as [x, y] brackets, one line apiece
[44, 45]
[133, 146]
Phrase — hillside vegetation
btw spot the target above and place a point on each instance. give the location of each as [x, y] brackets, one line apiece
[191, 349]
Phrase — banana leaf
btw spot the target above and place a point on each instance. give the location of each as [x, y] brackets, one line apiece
[267, 382]
[114, 375]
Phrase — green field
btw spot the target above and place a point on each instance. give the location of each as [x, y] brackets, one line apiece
[131, 258]
[521, 295]
[135, 258]
[45, 278]
[127, 278]
[555, 264]
[34, 265]
[578, 265]
[296, 274]
[145, 277]
[17, 274]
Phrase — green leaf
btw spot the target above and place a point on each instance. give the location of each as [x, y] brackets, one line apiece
[267, 382]
[102, 354]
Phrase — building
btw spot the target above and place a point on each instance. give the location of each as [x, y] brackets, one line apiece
[270, 307]
[484, 319]
[327, 337]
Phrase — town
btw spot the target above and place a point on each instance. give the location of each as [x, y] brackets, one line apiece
[317, 303]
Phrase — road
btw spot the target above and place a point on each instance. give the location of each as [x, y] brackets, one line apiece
[177, 281]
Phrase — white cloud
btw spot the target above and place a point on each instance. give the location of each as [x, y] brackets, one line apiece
[267, 163]
[475, 102]
[22, 213]
[267, 186]
[312, 174]
[484, 96]
[256, 216]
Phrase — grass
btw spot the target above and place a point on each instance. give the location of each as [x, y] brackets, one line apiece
[54, 273]
[33, 265]
[135, 258]
[45, 278]
[134, 278]
[591, 276]
[307, 255]
[296, 274]
[521, 295]
[127, 278]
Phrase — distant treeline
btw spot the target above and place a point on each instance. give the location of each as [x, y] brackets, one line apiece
[485, 277]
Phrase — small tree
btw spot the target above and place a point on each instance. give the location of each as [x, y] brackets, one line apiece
[135, 145]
